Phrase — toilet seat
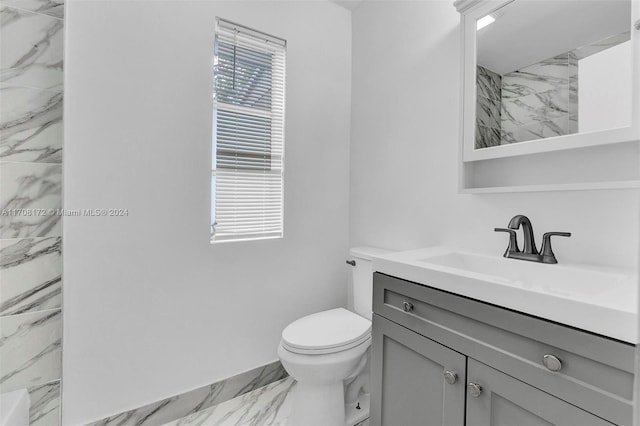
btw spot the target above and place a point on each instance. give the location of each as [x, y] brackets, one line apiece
[326, 332]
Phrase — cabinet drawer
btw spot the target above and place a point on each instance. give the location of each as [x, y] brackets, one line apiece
[596, 372]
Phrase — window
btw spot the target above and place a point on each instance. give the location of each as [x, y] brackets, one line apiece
[248, 134]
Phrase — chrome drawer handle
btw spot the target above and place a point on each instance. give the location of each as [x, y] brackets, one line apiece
[407, 306]
[351, 262]
[474, 389]
[552, 362]
[450, 377]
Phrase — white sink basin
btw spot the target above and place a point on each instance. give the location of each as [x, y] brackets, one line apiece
[600, 300]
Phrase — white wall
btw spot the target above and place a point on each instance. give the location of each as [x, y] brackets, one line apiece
[405, 122]
[151, 308]
[604, 98]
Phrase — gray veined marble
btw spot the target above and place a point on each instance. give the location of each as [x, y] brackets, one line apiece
[53, 8]
[30, 194]
[30, 275]
[30, 125]
[488, 112]
[488, 108]
[535, 108]
[31, 48]
[547, 75]
[538, 99]
[573, 100]
[574, 125]
[30, 349]
[45, 404]
[267, 406]
[572, 71]
[198, 399]
[537, 130]
[488, 83]
[487, 136]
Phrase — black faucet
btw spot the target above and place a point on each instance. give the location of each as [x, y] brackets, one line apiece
[529, 252]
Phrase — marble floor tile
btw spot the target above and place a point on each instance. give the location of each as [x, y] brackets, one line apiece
[30, 194]
[48, 7]
[30, 125]
[30, 349]
[30, 275]
[45, 404]
[197, 399]
[267, 406]
[31, 48]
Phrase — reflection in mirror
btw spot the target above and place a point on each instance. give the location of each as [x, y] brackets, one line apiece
[552, 68]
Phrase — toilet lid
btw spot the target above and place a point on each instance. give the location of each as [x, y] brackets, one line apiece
[325, 332]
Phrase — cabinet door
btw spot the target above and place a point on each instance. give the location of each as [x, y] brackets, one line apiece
[505, 401]
[408, 379]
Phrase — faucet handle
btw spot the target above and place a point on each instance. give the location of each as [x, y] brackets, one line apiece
[513, 241]
[546, 251]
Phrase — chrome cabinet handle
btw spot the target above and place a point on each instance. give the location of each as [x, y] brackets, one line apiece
[351, 262]
[474, 389]
[552, 362]
[450, 377]
[407, 306]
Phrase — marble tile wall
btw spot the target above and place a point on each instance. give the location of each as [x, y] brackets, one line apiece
[31, 90]
[541, 100]
[197, 400]
[536, 100]
[488, 107]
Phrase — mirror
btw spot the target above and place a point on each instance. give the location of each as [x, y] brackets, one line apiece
[550, 68]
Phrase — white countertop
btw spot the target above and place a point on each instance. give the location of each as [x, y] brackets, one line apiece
[596, 299]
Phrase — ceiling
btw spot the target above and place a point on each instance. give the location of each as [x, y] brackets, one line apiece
[528, 31]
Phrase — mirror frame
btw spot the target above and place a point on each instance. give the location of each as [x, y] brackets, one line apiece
[471, 11]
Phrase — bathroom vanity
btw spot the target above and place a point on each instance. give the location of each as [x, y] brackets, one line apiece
[453, 360]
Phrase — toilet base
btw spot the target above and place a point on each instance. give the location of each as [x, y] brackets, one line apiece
[354, 415]
[317, 405]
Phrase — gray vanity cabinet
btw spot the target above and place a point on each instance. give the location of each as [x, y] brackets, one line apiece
[504, 400]
[411, 370]
[430, 347]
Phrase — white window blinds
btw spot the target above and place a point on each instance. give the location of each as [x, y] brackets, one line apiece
[248, 134]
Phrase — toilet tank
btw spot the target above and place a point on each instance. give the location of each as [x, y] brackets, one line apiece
[362, 279]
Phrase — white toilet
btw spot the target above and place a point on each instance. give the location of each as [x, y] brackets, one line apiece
[327, 353]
